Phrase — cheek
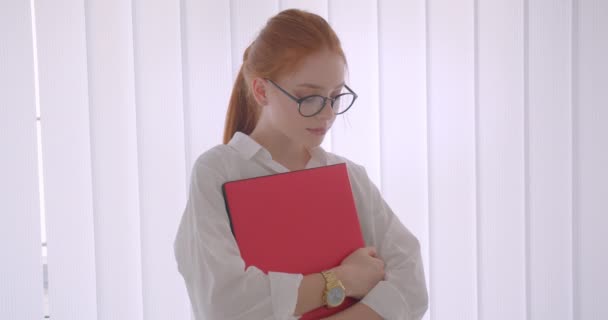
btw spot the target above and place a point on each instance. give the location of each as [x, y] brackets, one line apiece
[285, 113]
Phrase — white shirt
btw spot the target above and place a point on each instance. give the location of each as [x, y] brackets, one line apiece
[208, 257]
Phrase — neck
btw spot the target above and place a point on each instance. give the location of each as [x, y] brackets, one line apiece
[282, 149]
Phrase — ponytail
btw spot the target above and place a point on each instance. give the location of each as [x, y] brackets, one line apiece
[242, 114]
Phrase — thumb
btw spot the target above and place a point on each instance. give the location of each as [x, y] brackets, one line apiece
[372, 251]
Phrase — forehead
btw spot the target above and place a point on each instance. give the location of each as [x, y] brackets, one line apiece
[325, 69]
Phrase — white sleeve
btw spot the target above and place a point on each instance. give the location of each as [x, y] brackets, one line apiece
[403, 294]
[208, 258]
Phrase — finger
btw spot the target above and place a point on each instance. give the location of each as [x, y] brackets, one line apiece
[372, 251]
[379, 263]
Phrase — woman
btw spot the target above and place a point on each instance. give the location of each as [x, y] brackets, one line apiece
[285, 99]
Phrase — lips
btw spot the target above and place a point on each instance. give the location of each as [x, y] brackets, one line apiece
[317, 131]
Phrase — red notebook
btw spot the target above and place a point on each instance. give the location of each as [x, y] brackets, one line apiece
[296, 222]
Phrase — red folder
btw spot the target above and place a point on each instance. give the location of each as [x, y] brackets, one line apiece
[296, 222]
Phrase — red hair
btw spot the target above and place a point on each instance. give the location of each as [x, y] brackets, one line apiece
[279, 48]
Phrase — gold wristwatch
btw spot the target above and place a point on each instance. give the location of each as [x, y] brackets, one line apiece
[334, 293]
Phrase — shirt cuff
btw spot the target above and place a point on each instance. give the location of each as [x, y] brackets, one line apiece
[284, 291]
[386, 301]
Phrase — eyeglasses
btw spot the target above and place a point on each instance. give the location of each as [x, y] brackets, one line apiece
[310, 106]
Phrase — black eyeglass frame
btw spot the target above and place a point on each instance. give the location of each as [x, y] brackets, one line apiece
[300, 100]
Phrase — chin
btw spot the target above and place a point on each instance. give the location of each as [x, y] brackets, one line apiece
[310, 142]
[316, 141]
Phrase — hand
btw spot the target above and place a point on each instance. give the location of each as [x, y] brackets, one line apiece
[360, 272]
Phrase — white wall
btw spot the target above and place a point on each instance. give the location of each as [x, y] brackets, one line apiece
[483, 122]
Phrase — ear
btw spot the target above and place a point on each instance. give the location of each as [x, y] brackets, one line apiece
[259, 91]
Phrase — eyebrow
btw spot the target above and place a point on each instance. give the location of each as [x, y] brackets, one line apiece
[314, 86]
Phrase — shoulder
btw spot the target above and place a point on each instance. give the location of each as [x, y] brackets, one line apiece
[333, 158]
[215, 160]
[356, 171]
[214, 155]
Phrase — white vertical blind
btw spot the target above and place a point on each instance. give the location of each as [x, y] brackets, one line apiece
[21, 270]
[549, 156]
[207, 73]
[403, 115]
[114, 159]
[591, 158]
[161, 153]
[319, 7]
[246, 20]
[483, 122]
[452, 163]
[501, 160]
[356, 134]
[66, 150]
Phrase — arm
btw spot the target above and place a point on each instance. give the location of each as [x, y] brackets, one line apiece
[359, 273]
[310, 294]
[358, 311]
[402, 294]
[209, 260]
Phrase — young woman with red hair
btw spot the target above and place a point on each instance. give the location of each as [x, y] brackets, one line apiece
[286, 97]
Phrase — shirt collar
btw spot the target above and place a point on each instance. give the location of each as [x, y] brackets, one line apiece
[244, 145]
[249, 148]
[318, 158]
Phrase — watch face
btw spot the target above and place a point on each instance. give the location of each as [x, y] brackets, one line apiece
[335, 296]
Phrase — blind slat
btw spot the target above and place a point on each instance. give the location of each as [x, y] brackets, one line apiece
[21, 293]
[114, 159]
[501, 160]
[452, 164]
[207, 74]
[403, 115]
[67, 159]
[161, 153]
[549, 157]
[591, 157]
[356, 134]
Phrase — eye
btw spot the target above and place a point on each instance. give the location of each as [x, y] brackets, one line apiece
[304, 93]
[338, 91]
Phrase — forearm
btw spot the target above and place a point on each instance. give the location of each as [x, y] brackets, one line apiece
[310, 293]
[358, 311]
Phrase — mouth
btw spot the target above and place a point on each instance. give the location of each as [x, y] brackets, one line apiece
[317, 131]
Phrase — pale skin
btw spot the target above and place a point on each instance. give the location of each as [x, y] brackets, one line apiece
[288, 137]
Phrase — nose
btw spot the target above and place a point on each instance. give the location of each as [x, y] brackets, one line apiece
[327, 113]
